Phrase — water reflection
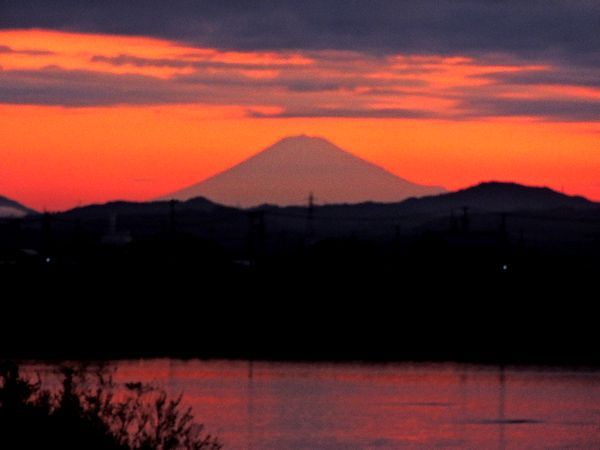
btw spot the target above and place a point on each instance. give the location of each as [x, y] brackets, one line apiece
[501, 409]
[259, 405]
[463, 404]
[250, 439]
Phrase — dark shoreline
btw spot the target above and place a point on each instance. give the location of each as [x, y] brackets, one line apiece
[549, 366]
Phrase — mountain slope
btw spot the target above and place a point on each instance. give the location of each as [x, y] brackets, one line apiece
[489, 197]
[11, 208]
[101, 211]
[285, 174]
[499, 197]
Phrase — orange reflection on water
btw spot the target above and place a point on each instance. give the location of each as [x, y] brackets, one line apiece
[327, 406]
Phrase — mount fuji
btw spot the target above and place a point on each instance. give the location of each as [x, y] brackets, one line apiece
[288, 171]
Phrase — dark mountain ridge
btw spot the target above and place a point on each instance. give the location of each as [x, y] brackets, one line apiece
[12, 208]
[491, 196]
[497, 196]
[123, 207]
[487, 197]
[532, 211]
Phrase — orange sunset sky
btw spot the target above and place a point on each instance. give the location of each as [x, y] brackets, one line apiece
[91, 117]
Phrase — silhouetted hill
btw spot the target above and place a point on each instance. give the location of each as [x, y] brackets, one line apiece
[499, 197]
[489, 197]
[485, 203]
[11, 208]
[485, 197]
[286, 172]
[101, 211]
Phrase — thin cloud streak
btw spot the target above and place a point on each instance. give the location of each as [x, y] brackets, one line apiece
[367, 113]
[546, 109]
[8, 50]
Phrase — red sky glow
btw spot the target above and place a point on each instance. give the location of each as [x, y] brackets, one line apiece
[96, 117]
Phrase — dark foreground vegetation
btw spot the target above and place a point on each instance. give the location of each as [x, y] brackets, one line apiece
[510, 277]
[88, 412]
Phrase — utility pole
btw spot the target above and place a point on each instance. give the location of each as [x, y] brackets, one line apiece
[172, 250]
[261, 232]
[465, 219]
[453, 222]
[397, 242]
[15, 226]
[256, 235]
[504, 247]
[112, 224]
[78, 239]
[503, 231]
[172, 223]
[47, 235]
[310, 216]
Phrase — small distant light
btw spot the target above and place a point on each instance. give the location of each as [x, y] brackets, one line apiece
[504, 267]
[48, 260]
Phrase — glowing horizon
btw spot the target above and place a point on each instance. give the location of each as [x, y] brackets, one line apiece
[90, 117]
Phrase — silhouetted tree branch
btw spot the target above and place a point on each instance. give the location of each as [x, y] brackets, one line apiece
[92, 412]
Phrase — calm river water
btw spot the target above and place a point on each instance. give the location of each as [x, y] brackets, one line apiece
[356, 406]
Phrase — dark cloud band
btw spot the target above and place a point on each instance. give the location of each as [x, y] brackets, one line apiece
[560, 29]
